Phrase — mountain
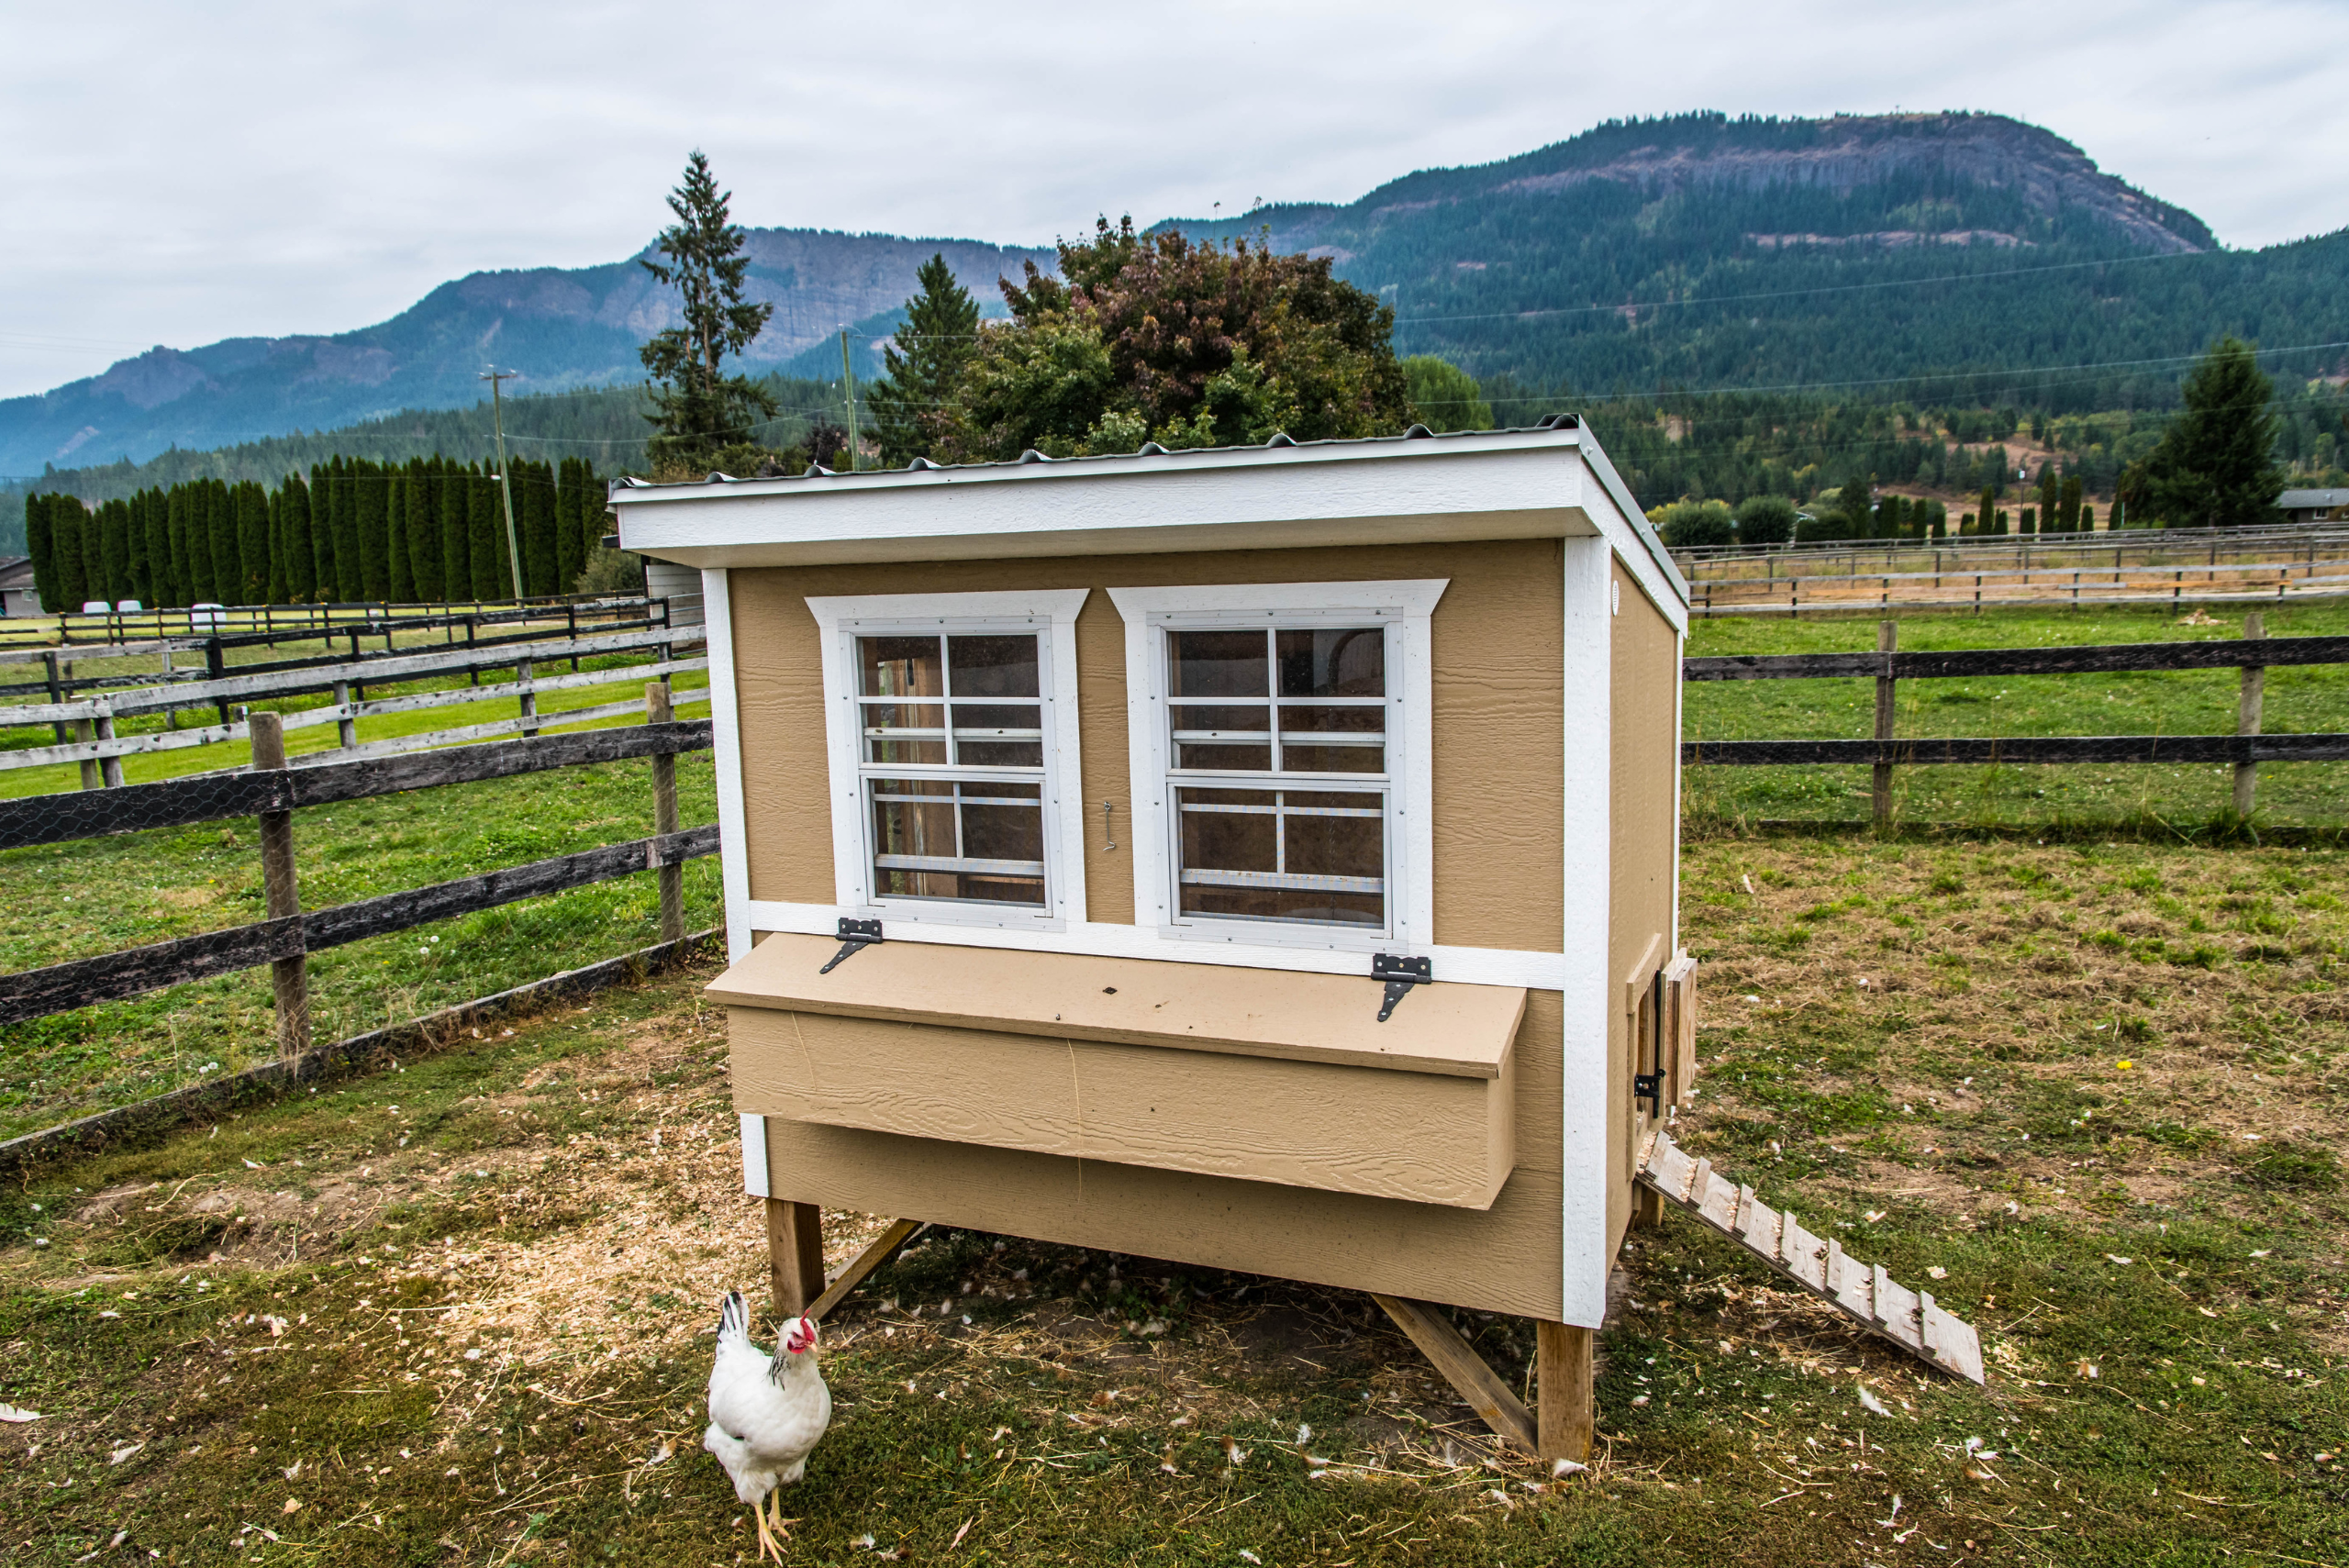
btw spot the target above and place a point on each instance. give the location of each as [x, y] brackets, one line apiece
[1936, 258]
[562, 329]
[1705, 251]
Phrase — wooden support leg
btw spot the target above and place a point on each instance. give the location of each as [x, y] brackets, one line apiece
[1647, 1205]
[795, 1254]
[1568, 1409]
[1462, 1368]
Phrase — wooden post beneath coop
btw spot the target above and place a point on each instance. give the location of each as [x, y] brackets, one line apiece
[1568, 1409]
[795, 1254]
[2254, 691]
[289, 977]
[1888, 637]
[664, 816]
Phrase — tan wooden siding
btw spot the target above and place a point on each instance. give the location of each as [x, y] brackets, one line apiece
[1645, 666]
[1506, 1258]
[1496, 638]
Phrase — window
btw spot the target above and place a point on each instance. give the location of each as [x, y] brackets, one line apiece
[1280, 750]
[948, 739]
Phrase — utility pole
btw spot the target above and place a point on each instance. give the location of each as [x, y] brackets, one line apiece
[847, 375]
[505, 485]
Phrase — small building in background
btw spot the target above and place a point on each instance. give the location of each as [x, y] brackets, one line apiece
[2314, 505]
[17, 595]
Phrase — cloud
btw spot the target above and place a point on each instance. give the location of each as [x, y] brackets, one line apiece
[179, 174]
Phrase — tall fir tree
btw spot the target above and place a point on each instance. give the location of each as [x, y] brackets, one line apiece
[66, 517]
[2215, 465]
[180, 549]
[41, 542]
[2070, 503]
[145, 579]
[2051, 492]
[253, 544]
[456, 533]
[301, 552]
[226, 569]
[912, 405]
[399, 579]
[279, 592]
[424, 529]
[539, 565]
[371, 498]
[698, 411]
[484, 539]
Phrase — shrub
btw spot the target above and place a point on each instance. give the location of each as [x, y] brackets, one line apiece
[1765, 519]
[1687, 523]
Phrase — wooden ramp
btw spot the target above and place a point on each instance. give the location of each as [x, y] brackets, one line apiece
[1864, 1293]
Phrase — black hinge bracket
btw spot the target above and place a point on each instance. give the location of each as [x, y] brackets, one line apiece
[1400, 974]
[1649, 1086]
[855, 937]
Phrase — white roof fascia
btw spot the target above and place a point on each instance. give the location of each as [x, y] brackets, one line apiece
[1496, 485]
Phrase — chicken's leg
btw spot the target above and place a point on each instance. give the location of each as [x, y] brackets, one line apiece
[767, 1542]
[782, 1525]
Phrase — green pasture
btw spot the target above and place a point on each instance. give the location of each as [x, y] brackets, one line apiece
[2308, 699]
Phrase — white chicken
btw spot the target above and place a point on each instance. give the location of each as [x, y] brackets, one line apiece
[765, 1413]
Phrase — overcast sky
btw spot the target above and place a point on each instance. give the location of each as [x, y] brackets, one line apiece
[178, 173]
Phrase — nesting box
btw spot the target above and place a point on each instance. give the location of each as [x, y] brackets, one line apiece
[1271, 851]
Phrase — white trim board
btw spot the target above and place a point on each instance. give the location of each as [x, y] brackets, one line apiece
[1099, 939]
[1586, 908]
[1051, 612]
[726, 740]
[1405, 607]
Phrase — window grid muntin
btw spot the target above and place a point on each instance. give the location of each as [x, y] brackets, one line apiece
[1380, 786]
[871, 773]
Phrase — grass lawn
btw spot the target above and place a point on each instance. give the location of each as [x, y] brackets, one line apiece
[2308, 699]
[462, 1312]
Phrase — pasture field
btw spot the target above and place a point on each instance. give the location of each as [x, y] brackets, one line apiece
[461, 1313]
[2306, 699]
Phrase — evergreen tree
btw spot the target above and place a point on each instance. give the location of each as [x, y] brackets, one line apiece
[114, 541]
[570, 487]
[484, 541]
[2215, 466]
[2070, 503]
[2051, 492]
[1445, 398]
[40, 544]
[370, 494]
[253, 544]
[67, 518]
[424, 527]
[399, 578]
[151, 549]
[278, 594]
[912, 405]
[699, 411]
[300, 549]
[456, 533]
[179, 551]
[220, 532]
[535, 503]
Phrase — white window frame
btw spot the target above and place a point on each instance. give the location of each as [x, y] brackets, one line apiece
[1405, 608]
[1051, 614]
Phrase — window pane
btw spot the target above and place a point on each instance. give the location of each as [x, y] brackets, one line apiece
[993, 666]
[1348, 661]
[900, 667]
[997, 857]
[1335, 846]
[1216, 757]
[1218, 664]
[1297, 758]
[1228, 829]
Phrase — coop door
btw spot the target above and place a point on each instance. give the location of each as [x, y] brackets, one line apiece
[1679, 996]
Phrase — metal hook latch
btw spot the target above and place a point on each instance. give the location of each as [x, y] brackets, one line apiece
[855, 937]
[1400, 974]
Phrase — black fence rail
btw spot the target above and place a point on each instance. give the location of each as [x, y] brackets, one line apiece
[2254, 654]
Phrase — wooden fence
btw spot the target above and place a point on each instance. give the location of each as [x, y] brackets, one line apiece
[77, 629]
[99, 749]
[271, 792]
[2253, 654]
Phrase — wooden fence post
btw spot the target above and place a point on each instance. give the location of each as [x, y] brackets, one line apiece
[2254, 691]
[1887, 639]
[346, 728]
[522, 671]
[665, 819]
[109, 768]
[289, 976]
[84, 730]
[56, 691]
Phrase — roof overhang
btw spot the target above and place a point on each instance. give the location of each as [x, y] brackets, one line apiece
[1539, 483]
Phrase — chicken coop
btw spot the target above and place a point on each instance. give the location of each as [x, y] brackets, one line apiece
[1259, 858]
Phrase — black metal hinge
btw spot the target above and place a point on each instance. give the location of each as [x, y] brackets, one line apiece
[1649, 1086]
[1400, 974]
[855, 937]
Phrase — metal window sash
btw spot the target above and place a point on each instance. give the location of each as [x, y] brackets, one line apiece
[965, 864]
[1309, 881]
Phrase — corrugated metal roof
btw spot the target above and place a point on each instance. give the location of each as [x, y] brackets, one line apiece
[2293, 500]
